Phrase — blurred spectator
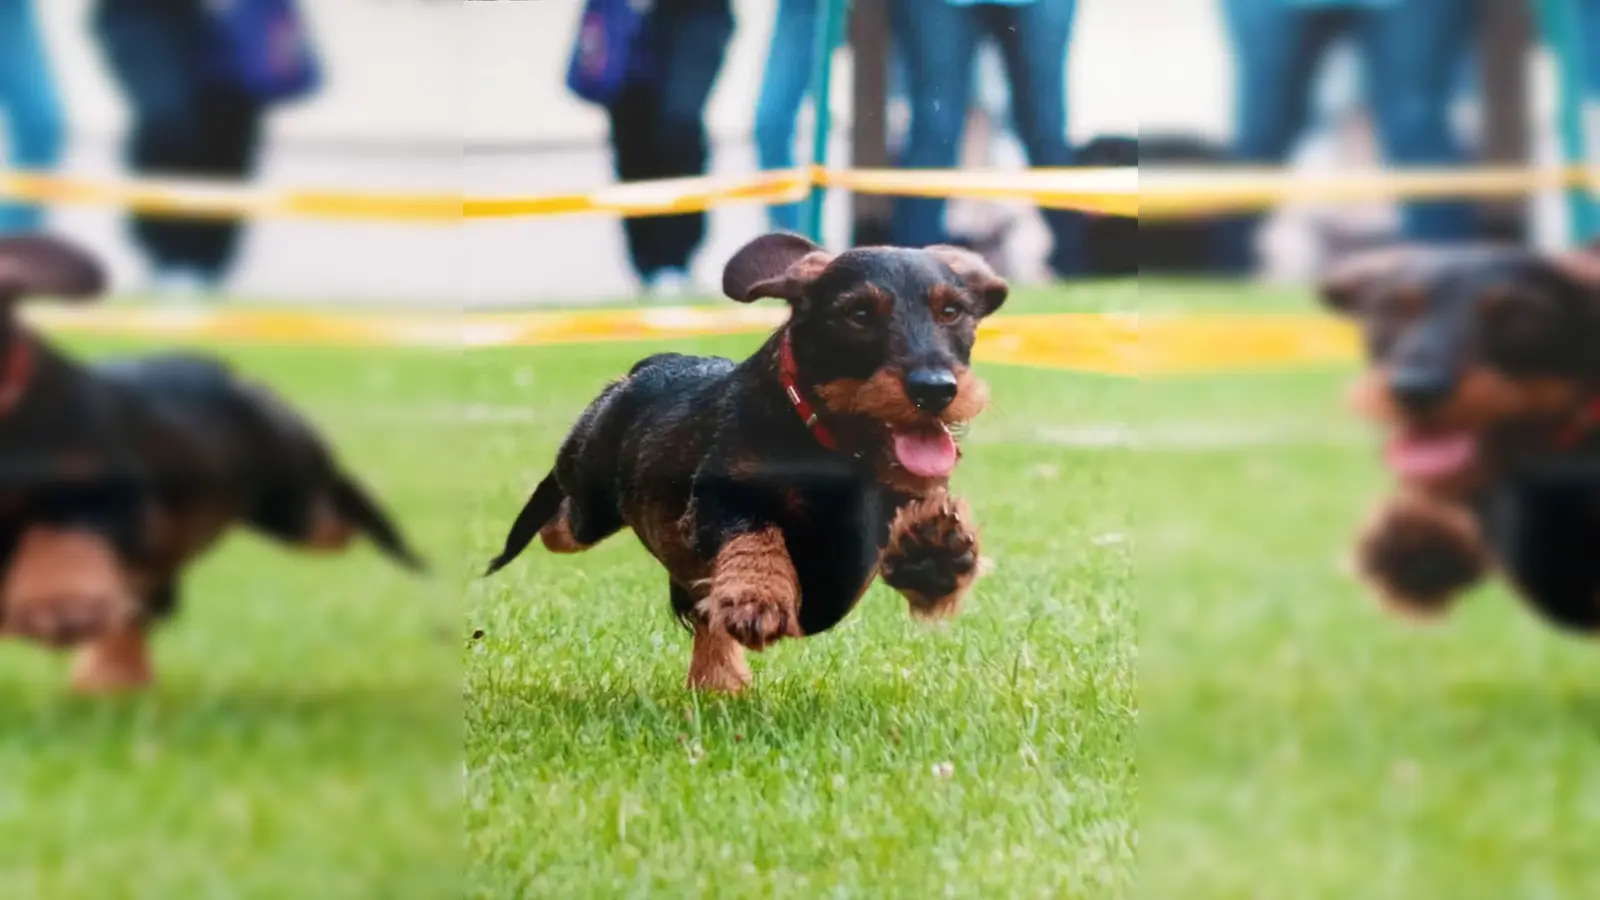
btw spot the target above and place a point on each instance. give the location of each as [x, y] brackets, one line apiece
[1589, 29]
[940, 39]
[1410, 52]
[28, 99]
[658, 130]
[784, 86]
[198, 77]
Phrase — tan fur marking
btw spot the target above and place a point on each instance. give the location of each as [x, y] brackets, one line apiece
[718, 662]
[557, 536]
[755, 593]
[1482, 398]
[119, 661]
[63, 586]
[330, 532]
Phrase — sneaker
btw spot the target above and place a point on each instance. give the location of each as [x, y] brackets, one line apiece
[669, 284]
[182, 286]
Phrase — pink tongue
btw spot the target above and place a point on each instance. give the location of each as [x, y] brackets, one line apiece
[929, 453]
[1430, 457]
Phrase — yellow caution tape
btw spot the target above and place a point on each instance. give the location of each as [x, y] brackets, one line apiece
[1109, 344]
[1152, 193]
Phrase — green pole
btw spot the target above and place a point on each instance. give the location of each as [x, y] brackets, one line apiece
[830, 27]
[1560, 25]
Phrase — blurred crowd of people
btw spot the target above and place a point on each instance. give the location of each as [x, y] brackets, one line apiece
[658, 113]
[197, 77]
[1415, 58]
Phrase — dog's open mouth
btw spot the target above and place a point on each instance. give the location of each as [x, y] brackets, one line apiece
[925, 449]
[1429, 457]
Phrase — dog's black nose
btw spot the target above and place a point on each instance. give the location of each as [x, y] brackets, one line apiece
[1420, 390]
[931, 389]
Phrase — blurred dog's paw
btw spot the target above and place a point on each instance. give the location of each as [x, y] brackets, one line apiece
[63, 588]
[1418, 554]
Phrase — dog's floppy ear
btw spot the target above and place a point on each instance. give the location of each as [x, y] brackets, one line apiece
[1342, 284]
[773, 265]
[990, 289]
[37, 265]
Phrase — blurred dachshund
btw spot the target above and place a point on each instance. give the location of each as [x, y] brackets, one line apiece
[113, 478]
[1485, 371]
[774, 490]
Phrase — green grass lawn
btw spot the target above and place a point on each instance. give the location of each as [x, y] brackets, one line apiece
[1294, 741]
[1167, 688]
[593, 773]
[305, 739]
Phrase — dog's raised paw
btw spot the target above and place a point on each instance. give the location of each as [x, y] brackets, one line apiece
[932, 556]
[1419, 555]
[64, 588]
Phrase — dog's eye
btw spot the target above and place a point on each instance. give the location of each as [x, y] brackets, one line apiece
[949, 312]
[859, 315]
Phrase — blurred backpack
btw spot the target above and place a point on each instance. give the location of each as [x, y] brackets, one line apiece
[263, 48]
[609, 53]
[1122, 245]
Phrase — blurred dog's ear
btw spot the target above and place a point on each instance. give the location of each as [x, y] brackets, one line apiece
[990, 289]
[774, 265]
[36, 265]
[1342, 284]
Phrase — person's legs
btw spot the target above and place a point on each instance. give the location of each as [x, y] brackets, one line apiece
[937, 42]
[784, 86]
[227, 150]
[1033, 42]
[1277, 50]
[694, 46]
[634, 158]
[148, 50]
[1589, 27]
[31, 106]
[1413, 52]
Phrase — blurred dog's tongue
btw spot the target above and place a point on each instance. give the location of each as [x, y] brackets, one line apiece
[929, 451]
[1430, 456]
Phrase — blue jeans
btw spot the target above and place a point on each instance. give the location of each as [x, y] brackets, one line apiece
[940, 42]
[1410, 57]
[658, 126]
[1589, 27]
[785, 85]
[30, 104]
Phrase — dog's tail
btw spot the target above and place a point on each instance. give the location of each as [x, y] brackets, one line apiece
[359, 509]
[540, 509]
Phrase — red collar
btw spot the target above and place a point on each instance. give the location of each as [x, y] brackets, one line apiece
[788, 374]
[14, 381]
[1581, 426]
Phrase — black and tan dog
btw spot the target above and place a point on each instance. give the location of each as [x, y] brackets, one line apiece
[114, 478]
[1485, 370]
[774, 490]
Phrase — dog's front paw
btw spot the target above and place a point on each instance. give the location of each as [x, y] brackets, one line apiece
[932, 556]
[63, 588]
[752, 616]
[1420, 553]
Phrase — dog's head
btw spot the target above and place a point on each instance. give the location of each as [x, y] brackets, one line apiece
[1475, 353]
[882, 336]
[36, 265]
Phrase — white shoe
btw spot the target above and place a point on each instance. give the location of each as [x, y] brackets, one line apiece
[179, 286]
[669, 284]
